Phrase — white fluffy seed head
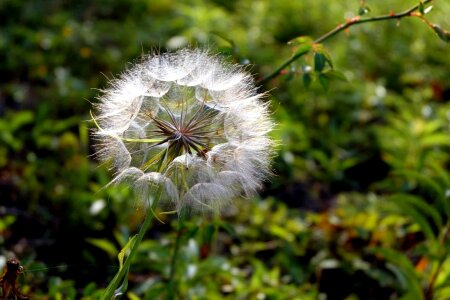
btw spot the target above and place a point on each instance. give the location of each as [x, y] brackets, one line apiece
[189, 123]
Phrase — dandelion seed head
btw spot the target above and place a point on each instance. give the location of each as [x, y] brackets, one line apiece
[189, 123]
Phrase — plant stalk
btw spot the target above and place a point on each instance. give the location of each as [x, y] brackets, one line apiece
[172, 286]
[112, 291]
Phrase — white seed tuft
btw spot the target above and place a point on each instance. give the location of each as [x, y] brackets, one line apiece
[187, 122]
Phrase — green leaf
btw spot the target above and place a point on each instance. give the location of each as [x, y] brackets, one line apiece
[301, 40]
[124, 250]
[226, 38]
[319, 48]
[229, 229]
[421, 8]
[89, 289]
[442, 174]
[334, 74]
[21, 118]
[133, 296]
[324, 81]
[422, 206]
[105, 245]
[320, 156]
[208, 233]
[319, 61]
[440, 139]
[302, 50]
[113, 288]
[307, 79]
[419, 211]
[364, 9]
[281, 232]
[120, 237]
[6, 221]
[413, 288]
[191, 231]
[442, 34]
[430, 185]
[419, 219]
[424, 181]
[302, 45]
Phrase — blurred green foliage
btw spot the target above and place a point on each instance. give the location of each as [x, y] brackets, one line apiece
[360, 204]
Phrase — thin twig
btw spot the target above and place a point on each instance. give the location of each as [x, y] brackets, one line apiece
[354, 21]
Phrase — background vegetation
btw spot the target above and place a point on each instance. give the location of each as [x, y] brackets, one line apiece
[360, 204]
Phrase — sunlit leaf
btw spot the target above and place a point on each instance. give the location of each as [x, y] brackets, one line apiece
[123, 252]
[301, 40]
[21, 118]
[132, 296]
[440, 139]
[428, 9]
[302, 50]
[103, 244]
[6, 221]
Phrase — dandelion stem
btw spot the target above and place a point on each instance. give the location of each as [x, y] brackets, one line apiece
[113, 290]
[172, 286]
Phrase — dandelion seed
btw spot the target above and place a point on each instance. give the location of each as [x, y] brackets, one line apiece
[187, 122]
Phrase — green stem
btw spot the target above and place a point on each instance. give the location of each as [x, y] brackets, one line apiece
[339, 28]
[111, 291]
[172, 286]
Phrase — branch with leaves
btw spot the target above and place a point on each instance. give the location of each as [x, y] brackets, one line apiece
[306, 44]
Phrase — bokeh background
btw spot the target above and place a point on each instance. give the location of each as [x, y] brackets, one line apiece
[358, 207]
